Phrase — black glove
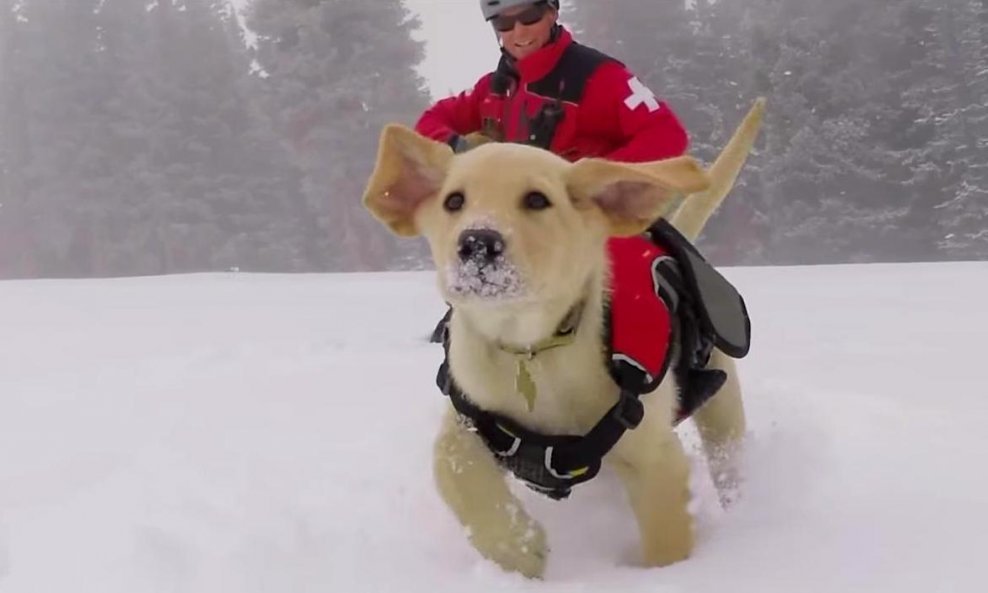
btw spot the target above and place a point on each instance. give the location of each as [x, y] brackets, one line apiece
[458, 143]
[462, 143]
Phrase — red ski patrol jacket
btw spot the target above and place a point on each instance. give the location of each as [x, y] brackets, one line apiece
[567, 98]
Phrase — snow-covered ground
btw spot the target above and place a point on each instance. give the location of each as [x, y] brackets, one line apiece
[252, 433]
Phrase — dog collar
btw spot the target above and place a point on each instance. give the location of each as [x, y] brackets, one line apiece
[564, 335]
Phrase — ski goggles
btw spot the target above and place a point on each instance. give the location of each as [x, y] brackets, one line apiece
[529, 16]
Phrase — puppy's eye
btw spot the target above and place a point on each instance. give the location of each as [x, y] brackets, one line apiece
[536, 201]
[454, 202]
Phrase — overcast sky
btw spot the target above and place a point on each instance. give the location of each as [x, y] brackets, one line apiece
[460, 45]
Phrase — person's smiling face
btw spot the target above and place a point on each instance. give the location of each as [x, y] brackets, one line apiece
[524, 29]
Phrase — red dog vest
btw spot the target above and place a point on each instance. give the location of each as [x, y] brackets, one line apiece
[640, 321]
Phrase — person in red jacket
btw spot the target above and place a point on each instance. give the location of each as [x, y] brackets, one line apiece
[552, 92]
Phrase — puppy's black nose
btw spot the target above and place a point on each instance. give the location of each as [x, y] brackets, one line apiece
[481, 245]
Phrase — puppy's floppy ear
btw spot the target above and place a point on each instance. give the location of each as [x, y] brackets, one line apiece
[410, 169]
[633, 195]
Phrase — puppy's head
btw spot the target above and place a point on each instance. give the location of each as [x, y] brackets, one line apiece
[508, 223]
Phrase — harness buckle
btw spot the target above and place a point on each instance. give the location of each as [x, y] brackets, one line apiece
[629, 410]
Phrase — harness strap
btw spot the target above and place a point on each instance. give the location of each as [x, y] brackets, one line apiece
[550, 464]
[565, 83]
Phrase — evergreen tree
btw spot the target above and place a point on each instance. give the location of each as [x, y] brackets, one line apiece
[15, 145]
[335, 72]
[931, 122]
[871, 148]
[61, 166]
[145, 137]
[216, 201]
[131, 144]
[959, 105]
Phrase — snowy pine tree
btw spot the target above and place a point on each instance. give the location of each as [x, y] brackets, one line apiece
[963, 115]
[335, 72]
[16, 255]
[215, 202]
[131, 144]
[873, 140]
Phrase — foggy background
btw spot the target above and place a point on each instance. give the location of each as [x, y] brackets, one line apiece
[155, 137]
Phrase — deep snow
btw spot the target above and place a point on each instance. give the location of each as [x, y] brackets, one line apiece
[248, 433]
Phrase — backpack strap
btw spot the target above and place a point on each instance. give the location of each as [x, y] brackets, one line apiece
[564, 84]
[568, 80]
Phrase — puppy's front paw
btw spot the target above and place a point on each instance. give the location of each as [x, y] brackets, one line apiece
[516, 545]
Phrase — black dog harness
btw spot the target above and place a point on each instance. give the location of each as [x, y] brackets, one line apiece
[706, 311]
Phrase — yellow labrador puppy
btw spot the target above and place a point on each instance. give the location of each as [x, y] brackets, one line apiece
[518, 237]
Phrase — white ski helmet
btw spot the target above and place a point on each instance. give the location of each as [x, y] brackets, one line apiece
[492, 8]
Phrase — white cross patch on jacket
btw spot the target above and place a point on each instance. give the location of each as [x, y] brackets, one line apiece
[640, 94]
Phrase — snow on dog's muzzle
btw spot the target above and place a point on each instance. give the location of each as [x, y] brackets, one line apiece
[482, 268]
